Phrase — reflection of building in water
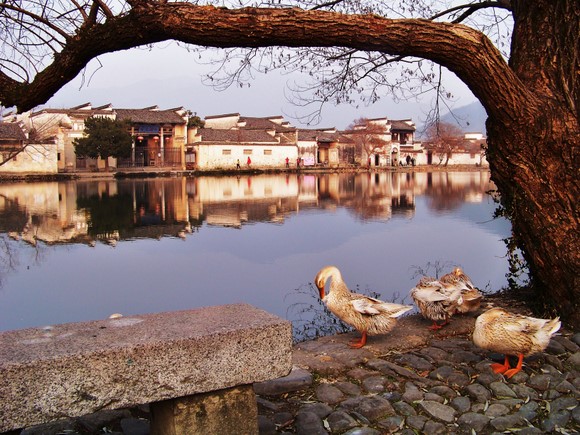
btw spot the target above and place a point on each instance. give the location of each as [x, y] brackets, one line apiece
[232, 201]
[371, 195]
[447, 190]
[159, 208]
[45, 213]
[111, 210]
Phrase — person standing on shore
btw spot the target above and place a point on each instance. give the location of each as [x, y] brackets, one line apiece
[249, 162]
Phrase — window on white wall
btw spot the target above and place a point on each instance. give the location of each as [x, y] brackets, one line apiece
[226, 152]
[267, 152]
[247, 152]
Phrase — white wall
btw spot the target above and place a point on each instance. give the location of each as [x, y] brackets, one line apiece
[213, 157]
[462, 159]
[35, 159]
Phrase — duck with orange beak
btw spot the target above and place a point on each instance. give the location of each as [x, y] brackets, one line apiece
[367, 315]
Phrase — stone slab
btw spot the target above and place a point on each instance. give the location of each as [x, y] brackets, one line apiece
[75, 369]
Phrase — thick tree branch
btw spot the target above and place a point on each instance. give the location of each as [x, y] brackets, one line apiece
[465, 51]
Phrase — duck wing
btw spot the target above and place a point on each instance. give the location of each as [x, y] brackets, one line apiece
[529, 325]
[433, 294]
[373, 307]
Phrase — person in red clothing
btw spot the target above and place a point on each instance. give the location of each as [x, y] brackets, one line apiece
[249, 162]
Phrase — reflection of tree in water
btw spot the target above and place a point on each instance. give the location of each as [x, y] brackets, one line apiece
[10, 251]
[107, 214]
[445, 192]
[311, 319]
[8, 258]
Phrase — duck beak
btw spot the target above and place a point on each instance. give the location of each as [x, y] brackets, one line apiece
[320, 290]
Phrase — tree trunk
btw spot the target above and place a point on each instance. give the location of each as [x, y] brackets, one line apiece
[534, 158]
[540, 192]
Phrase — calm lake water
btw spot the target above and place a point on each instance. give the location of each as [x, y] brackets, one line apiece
[82, 250]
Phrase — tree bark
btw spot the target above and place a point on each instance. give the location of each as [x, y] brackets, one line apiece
[534, 159]
[532, 103]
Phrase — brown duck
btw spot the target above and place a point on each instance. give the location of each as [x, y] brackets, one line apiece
[436, 300]
[367, 315]
[470, 295]
[500, 331]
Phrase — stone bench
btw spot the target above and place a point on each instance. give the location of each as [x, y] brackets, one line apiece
[195, 368]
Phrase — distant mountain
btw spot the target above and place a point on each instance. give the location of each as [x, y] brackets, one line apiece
[470, 118]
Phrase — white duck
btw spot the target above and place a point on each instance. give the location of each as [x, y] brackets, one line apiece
[500, 331]
[367, 315]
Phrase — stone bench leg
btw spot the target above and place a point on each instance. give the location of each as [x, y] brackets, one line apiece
[232, 411]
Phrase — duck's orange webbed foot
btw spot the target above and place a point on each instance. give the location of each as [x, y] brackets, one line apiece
[357, 344]
[435, 326]
[501, 368]
[509, 373]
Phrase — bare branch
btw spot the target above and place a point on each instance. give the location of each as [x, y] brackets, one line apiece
[36, 19]
[471, 8]
[326, 5]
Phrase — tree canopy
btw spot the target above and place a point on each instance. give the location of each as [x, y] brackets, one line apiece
[520, 58]
[105, 137]
[368, 137]
[443, 138]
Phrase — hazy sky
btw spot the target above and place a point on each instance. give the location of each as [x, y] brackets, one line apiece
[170, 76]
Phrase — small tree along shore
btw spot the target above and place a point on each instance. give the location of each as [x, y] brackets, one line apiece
[532, 99]
[105, 137]
[443, 138]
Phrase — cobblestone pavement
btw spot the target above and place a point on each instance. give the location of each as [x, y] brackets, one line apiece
[410, 381]
[417, 381]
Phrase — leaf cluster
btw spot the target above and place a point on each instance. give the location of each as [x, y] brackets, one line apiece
[105, 137]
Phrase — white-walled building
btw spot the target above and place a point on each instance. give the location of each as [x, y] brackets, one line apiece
[382, 141]
[226, 140]
[468, 151]
[18, 154]
[158, 135]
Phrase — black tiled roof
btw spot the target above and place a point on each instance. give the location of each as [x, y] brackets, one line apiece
[145, 116]
[401, 125]
[235, 136]
[11, 130]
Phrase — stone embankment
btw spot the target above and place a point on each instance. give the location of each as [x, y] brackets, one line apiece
[149, 172]
[410, 381]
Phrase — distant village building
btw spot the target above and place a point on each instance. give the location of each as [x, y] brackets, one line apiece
[19, 153]
[229, 140]
[382, 141]
[325, 147]
[63, 126]
[158, 135]
[469, 150]
[163, 140]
